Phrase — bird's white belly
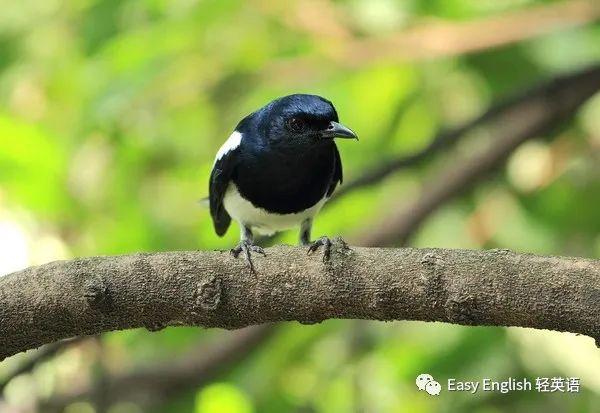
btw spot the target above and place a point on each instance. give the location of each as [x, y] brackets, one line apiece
[260, 220]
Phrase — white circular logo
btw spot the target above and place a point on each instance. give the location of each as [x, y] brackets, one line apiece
[433, 388]
[422, 380]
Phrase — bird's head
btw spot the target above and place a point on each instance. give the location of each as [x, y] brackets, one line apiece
[300, 120]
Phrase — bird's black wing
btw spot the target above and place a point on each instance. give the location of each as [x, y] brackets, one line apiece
[219, 181]
[338, 175]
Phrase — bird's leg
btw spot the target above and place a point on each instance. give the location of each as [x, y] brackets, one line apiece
[247, 246]
[313, 246]
[305, 232]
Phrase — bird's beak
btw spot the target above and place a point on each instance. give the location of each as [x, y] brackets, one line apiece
[337, 130]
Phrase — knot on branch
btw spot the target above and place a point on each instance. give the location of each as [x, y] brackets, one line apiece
[433, 282]
[340, 246]
[208, 294]
[339, 249]
[433, 262]
[96, 291]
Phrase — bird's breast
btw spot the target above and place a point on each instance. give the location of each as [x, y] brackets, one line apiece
[285, 182]
[260, 220]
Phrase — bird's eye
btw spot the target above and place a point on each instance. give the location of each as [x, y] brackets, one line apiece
[296, 124]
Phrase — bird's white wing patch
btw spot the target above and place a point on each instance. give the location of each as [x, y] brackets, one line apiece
[230, 144]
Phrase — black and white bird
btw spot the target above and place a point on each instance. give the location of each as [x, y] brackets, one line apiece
[276, 171]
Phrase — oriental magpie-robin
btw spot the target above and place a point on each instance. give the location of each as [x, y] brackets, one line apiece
[276, 171]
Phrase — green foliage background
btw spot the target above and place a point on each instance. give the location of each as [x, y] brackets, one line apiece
[111, 113]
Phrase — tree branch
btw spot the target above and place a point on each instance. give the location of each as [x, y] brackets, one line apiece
[555, 99]
[423, 39]
[41, 355]
[158, 383]
[540, 113]
[211, 289]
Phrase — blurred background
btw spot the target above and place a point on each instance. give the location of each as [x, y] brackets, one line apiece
[111, 112]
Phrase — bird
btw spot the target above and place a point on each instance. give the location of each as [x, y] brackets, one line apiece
[276, 171]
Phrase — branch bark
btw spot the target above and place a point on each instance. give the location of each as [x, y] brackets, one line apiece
[211, 289]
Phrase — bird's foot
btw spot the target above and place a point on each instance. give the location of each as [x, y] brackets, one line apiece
[326, 243]
[247, 248]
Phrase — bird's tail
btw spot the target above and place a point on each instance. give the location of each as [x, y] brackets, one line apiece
[203, 202]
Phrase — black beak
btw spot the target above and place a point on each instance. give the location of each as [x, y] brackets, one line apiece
[337, 130]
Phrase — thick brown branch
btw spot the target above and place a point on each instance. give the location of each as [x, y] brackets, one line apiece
[211, 289]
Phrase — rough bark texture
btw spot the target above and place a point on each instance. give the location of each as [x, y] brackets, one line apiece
[211, 289]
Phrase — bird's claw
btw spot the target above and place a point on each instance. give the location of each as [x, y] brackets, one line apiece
[326, 243]
[248, 248]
